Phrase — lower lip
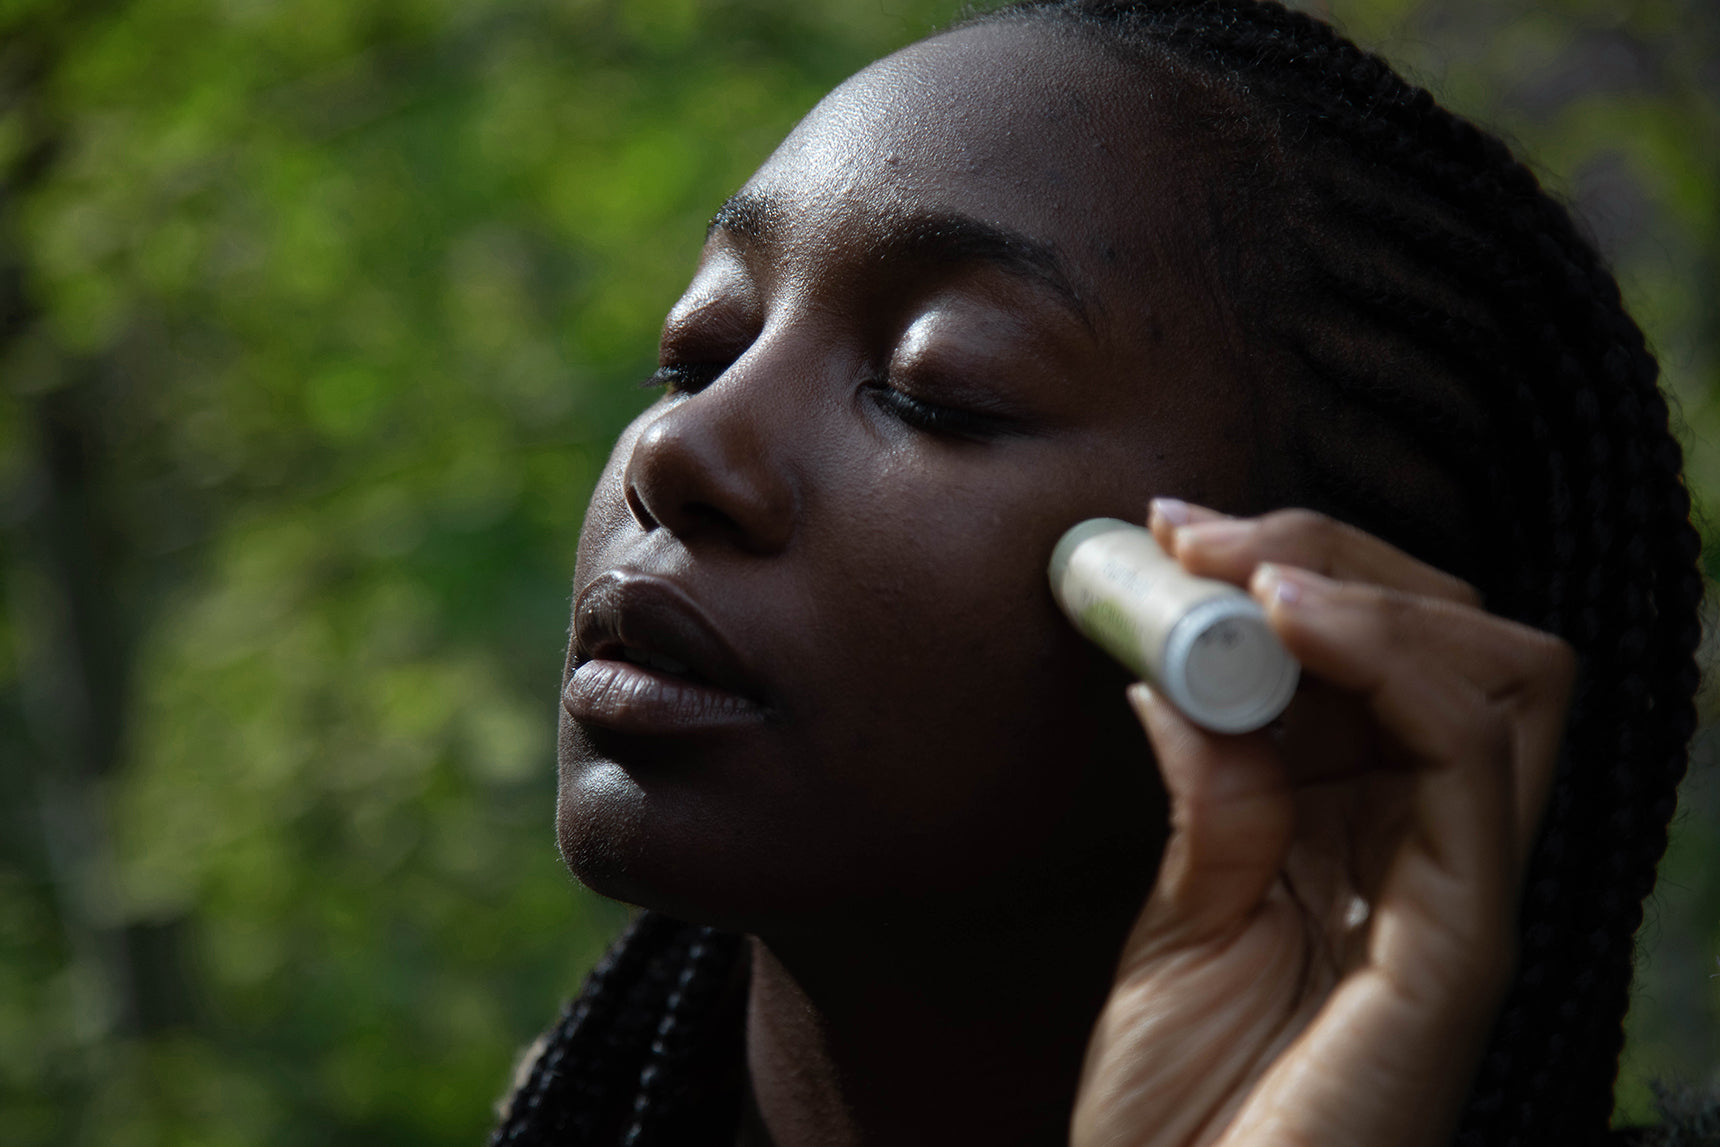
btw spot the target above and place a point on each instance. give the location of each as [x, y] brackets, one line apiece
[631, 698]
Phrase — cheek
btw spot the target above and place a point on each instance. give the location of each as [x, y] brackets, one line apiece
[966, 761]
[964, 707]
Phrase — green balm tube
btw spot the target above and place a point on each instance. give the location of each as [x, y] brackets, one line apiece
[1204, 644]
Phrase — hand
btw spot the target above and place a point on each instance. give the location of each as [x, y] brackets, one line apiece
[1333, 924]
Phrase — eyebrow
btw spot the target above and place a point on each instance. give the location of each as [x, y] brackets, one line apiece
[942, 238]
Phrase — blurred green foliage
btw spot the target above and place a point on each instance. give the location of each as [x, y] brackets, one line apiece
[316, 320]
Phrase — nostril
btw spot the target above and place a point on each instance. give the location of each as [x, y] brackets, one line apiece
[636, 504]
[699, 468]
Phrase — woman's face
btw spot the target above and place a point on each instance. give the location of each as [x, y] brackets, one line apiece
[942, 324]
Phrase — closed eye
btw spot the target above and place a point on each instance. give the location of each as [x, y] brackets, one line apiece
[684, 377]
[951, 421]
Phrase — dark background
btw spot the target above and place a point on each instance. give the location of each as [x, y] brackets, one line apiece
[316, 320]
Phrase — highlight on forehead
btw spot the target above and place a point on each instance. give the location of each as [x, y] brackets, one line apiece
[948, 238]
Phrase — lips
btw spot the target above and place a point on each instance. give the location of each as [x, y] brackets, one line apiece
[648, 661]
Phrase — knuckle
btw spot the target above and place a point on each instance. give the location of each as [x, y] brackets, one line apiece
[1467, 594]
[1309, 532]
[1298, 519]
[1483, 958]
[1396, 614]
[1492, 952]
[1550, 667]
[1560, 662]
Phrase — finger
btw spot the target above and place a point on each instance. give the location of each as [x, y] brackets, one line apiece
[1449, 685]
[1166, 515]
[1509, 662]
[1232, 819]
[1230, 548]
[1442, 912]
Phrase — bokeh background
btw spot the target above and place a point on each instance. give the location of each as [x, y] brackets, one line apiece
[316, 320]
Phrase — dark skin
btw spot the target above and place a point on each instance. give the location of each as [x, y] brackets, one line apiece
[950, 317]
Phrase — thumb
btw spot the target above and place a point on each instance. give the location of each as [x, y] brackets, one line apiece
[1232, 819]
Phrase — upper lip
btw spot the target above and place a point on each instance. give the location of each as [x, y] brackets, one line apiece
[622, 609]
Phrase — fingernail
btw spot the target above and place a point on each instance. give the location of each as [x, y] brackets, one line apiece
[1141, 697]
[1276, 583]
[1213, 535]
[1171, 511]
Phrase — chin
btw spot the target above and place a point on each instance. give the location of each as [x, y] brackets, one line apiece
[656, 853]
[598, 816]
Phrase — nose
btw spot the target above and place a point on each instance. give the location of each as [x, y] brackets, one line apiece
[706, 469]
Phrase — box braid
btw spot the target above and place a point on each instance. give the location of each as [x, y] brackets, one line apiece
[1452, 369]
[651, 1052]
[1404, 280]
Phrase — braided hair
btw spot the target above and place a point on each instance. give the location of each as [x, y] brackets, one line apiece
[1401, 275]
[1445, 361]
[650, 1053]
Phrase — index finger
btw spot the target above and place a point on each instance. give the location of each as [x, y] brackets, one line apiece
[1231, 549]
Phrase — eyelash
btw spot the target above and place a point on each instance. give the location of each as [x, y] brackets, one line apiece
[684, 377]
[932, 418]
[690, 378]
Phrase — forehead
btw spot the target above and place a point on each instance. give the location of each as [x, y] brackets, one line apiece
[1028, 125]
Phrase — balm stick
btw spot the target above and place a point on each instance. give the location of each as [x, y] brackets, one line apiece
[1204, 644]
